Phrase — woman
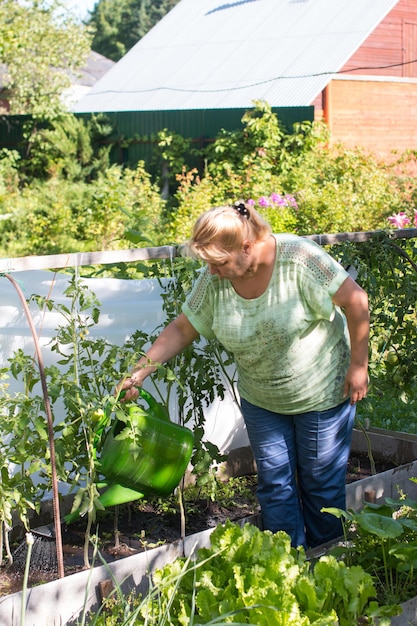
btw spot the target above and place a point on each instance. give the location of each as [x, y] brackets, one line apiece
[297, 325]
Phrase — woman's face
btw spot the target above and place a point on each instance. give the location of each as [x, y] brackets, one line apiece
[236, 265]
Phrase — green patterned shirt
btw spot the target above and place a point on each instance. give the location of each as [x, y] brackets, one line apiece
[291, 344]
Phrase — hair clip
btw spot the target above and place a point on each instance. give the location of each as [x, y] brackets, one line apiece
[242, 209]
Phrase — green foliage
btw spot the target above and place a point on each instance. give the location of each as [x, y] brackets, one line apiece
[245, 162]
[387, 410]
[119, 24]
[382, 539]
[43, 219]
[194, 197]
[122, 200]
[26, 436]
[341, 190]
[325, 189]
[254, 577]
[61, 215]
[335, 190]
[77, 390]
[169, 157]
[67, 147]
[388, 272]
[81, 384]
[9, 177]
[41, 45]
[330, 189]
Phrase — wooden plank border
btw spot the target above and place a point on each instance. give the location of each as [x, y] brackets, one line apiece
[108, 257]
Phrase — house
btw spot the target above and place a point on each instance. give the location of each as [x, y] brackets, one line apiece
[95, 67]
[352, 63]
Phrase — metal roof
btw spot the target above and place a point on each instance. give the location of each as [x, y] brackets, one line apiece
[96, 65]
[217, 54]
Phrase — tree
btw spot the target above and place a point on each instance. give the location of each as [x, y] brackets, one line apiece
[41, 47]
[120, 24]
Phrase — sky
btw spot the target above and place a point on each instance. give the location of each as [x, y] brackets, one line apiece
[81, 7]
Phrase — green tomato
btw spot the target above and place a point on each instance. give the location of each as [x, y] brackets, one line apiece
[397, 378]
[97, 415]
[392, 358]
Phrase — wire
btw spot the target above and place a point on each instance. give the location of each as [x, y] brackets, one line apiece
[256, 84]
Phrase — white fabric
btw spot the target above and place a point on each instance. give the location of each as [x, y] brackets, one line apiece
[126, 305]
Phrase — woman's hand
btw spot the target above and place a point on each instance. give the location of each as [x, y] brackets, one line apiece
[173, 339]
[356, 383]
[129, 386]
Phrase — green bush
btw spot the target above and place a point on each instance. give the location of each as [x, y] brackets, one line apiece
[335, 189]
[65, 192]
[58, 216]
[340, 190]
[66, 147]
[122, 200]
[42, 219]
[387, 271]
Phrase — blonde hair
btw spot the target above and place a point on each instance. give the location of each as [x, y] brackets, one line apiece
[222, 230]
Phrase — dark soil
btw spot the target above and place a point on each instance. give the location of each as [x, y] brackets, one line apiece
[142, 525]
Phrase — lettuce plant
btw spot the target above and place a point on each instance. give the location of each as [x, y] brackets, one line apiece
[249, 576]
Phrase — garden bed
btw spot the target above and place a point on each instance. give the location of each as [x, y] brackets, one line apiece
[143, 528]
[146, 525]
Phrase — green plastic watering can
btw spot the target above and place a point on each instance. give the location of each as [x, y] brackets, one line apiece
[143, 453]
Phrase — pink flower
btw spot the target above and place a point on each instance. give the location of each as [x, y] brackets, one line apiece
[263, 201]
[291, 201]
[415, 218]
[276, 198]
[251, 202]
[399, 219]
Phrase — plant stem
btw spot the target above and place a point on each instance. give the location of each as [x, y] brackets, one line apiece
[116, 527]
[87, 539]
[368, 443]
[29, 543]
[387, 571]
[7, 543]
[182, 510]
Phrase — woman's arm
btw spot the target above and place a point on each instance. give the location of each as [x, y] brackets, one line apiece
[354, 302]
[175, 337]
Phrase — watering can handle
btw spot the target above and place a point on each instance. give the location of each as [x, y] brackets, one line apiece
[158, 410]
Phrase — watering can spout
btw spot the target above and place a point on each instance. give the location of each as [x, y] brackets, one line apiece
[113, 495]
[117, 494]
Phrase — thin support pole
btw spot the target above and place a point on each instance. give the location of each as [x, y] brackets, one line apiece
[55, 494]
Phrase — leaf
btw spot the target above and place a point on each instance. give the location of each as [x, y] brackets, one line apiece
[405, 551]
[379, 525]
[134, 236]
[339, 513]
[403, 502]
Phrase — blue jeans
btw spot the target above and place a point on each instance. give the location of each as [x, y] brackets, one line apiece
[301, 463]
